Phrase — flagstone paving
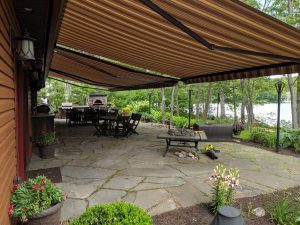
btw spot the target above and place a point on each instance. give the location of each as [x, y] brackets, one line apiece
[99, 170]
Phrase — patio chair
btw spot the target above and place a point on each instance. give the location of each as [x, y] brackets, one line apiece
[74, 116]
[120, 126]
[89, 115]
[132, 124]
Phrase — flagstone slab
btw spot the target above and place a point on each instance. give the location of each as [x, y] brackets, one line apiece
[87, 172]
[165, 180]
[148, 199]
[104, 196]
[72, 208]
[123, 182]
[159, 171]
[165, 206]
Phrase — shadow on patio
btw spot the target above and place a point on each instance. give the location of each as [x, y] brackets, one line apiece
[104, 169]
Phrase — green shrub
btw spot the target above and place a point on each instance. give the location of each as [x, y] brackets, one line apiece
[147, 117]
[290, 138]
[283, 210]
[140, 106]
[45, 139]
[118, 213]
[263, 136]
[180, 121]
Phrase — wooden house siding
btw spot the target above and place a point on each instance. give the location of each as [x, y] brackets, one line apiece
[8, 152]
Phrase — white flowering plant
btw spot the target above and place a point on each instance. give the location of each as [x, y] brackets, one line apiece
[225, 182]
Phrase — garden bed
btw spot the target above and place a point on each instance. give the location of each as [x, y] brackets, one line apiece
[200, 214]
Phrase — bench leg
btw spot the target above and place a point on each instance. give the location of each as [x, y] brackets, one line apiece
[167, 148]
[197, 149]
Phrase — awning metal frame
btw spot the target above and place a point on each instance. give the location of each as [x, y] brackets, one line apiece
[207, 44]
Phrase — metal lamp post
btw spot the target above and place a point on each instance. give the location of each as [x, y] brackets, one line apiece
[190, 109]
[234, 102]
[149, 99]
[279, 88]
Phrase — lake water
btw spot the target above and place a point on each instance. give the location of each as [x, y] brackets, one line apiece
[266, 113]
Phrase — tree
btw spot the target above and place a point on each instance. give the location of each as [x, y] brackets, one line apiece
[198, 99]
[293, 101]
[163, 106]
[244, 101]
[172, 105]
[207, 101]
[176, 97]
[222, 103]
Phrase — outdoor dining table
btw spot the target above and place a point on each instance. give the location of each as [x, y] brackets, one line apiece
[109, 123]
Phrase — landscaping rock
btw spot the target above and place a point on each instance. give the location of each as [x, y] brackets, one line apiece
[259, 212]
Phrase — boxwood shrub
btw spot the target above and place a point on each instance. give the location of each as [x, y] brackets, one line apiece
[118, 213]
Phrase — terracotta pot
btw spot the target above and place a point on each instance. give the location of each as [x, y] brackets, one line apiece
[50, 216]
[47, 151]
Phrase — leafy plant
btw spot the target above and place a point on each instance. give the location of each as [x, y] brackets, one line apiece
[290, 138]
[208, 148]
[113, 214]
[225, 181]
[46, 139]
[148, 117]
[284, 210]
[32, 197]
[263, 136]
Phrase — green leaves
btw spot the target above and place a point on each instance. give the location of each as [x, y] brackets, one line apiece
[34, 196]
[118, 213]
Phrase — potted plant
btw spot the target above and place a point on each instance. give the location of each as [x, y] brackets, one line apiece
[36, 201]
[237, 128]
[210, 151]
[46, 143]
[126, 111]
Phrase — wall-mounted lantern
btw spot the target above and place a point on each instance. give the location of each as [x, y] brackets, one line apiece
[25, 47]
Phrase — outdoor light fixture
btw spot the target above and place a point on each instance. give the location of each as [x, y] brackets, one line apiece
[25, 47]
[279, 88]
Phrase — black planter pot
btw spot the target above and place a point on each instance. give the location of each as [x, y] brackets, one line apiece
[47, 151]
[211, 154]
[237, 131]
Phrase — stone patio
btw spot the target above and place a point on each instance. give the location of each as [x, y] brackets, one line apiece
[99, 170]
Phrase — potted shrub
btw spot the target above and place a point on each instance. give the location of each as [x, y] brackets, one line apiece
[46, 143]
[237, 128]
[126, 111]
[210, 151]
[114, 214]
[36, 201]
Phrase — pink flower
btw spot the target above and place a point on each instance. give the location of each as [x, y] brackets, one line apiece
[10, 210]
[15, 186]
[44, 181]
[35, 187]
[42, 188]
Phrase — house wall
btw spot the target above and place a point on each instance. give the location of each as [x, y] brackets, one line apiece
[8, 125]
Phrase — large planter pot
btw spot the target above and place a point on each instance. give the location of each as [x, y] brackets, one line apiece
[237, 131]
[47, 151]
[50, 216]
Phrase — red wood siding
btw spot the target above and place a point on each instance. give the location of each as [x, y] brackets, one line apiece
[8, 153]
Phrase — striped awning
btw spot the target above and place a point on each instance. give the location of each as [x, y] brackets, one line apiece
[192, 40]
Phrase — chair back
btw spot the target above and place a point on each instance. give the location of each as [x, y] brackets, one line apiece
[135, 120]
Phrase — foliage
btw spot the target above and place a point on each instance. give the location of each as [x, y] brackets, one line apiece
[140, 106]
[126, 109]
[284, 210]
[263, 136]
[32, 197]
[147, 117]
[290, 138]
[45, 139]
[118, 213]
[225, 181]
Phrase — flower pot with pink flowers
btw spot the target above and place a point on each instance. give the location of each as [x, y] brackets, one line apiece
[36, 201]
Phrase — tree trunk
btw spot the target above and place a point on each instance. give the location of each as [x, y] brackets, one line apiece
[244, 101]
[298, 98]
[207, 102]
[172, 105]
[176, 97]
[163, 106]
[293, 101]
[250, 104]
[198, 97]
[222, 103]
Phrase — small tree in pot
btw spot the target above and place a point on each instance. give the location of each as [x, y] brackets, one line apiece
[36, 201]
[46, 143]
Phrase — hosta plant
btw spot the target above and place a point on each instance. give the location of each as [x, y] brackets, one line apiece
[225, 182]
[32, 197]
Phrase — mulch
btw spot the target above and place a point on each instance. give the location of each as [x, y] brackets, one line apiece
[54, 174]
[201, 215]
[282, 151]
